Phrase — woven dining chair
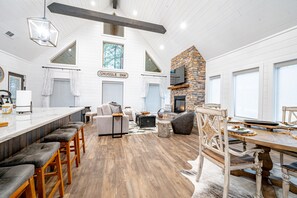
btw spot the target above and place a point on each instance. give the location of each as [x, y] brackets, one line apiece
[289, 115]
[212, 125]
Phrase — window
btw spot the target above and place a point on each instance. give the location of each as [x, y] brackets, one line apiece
[67, 56]
[114, 30]
[112, 91]
[285, 86]
[113, 55]
[62, 96]
[150, 65]
[246, 87]
[214, 90]
[15, 82]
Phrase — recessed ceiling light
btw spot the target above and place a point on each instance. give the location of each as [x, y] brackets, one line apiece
[93, 3]
[183, 25]
[135, 12]
[162, 47]
[69, 49]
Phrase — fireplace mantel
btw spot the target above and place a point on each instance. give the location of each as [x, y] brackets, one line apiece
[179, 86]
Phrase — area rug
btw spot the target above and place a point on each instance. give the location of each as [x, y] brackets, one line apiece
[135, 129]
[212, 181]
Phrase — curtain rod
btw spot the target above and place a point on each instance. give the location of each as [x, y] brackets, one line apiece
[153, 75]
[60, 68]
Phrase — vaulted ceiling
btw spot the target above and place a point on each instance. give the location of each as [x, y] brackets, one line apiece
[214, 27]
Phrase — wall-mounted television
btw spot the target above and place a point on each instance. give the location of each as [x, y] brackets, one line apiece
[177, 76]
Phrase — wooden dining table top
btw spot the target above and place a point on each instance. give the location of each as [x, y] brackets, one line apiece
[278, 139]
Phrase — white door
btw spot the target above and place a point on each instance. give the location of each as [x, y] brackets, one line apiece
[153, 99]
[61, 96]
[112, 92]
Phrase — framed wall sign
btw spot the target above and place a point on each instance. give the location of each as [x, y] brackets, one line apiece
[1, 74]
[112, 74]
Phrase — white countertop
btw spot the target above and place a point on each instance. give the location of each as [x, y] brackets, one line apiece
[22, 123]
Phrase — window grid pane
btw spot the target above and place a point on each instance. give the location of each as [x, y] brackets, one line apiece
[214, 90]
[286, 84]
[247, 94]
[113, 56]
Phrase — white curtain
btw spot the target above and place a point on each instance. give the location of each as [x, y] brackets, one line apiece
[47, 89]
[75, 85]
[146, 80]
[163, 91]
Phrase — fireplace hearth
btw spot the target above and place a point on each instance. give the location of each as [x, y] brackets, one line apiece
[179, 104]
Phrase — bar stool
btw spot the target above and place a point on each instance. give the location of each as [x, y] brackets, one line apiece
[79, 126]
[42, 155]
[66, 137]
[16, 180]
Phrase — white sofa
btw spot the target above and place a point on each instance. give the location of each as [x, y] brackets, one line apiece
[103, 121]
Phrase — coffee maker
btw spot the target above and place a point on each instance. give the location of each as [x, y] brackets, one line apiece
[5, 97]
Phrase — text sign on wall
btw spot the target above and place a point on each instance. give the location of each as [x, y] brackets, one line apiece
[112, 74]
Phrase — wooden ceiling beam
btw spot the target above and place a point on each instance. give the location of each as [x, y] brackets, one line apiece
[114, 4]
[106, 18]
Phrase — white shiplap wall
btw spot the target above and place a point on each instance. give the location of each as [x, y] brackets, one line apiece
[263, 54]
[89, 40]
[11, 63]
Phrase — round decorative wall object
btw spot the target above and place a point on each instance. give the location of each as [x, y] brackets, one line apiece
[1, 74]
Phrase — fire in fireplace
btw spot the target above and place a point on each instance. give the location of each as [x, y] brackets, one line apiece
[179, 104]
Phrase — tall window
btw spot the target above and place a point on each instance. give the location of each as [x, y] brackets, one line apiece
[246, 88]
[113, 55]
[214, 89]
[15, 82]
[286, 84]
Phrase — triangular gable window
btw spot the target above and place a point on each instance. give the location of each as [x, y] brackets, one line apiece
[150, 65]
[67, 56]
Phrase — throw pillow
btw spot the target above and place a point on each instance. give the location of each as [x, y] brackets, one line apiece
[115, 107]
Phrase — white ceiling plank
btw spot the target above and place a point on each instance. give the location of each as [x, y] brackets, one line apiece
[215, 27]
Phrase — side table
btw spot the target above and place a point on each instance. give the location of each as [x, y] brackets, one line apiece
[115, 116]
[90, 115]
[164, 129]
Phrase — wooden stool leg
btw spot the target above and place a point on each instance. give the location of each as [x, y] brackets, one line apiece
[83, 139]
[76, 149]
[78, 146]
[40, 182]
[30, 190]
[59, 172]
[69, 172]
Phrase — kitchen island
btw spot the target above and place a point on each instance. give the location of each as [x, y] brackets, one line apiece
[25, 129]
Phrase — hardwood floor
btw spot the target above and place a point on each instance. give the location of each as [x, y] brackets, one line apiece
[141, 165]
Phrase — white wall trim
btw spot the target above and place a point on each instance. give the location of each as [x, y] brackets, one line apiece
[16, 57]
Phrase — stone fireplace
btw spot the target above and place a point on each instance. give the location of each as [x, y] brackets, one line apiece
[194, 93]
[179, 104]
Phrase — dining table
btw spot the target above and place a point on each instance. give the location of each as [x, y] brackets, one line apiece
[281, 139]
